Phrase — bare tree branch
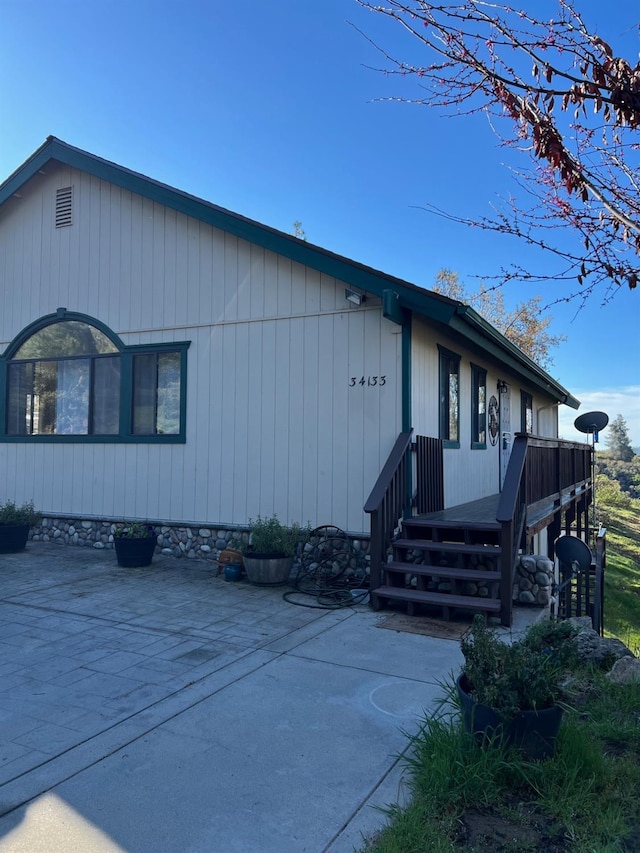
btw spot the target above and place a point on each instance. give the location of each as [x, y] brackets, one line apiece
[574, 108]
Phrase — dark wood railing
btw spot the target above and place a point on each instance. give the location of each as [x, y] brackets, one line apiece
[543, 477]
[429, 474]
[387, 504]
[511, 515]
[556, 472]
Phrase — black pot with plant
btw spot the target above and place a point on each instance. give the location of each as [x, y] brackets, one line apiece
[135, 544]
[15, 523]
[510, 692]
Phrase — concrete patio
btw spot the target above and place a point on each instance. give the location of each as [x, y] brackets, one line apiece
[160, 710]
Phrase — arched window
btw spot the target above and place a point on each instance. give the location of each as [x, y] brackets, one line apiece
[67, 375]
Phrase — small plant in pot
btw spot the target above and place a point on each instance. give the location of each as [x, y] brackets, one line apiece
[510, 693]
[272, 547]
[15, 523]
[135, 544]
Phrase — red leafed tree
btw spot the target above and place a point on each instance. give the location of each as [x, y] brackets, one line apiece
[570, 102]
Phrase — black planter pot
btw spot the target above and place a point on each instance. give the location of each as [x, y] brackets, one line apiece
[13, 538]
[134, 553]
[533, 732]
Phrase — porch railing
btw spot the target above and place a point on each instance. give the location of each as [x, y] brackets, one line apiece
[543, 477]
[511, 515]
[386, 505]
[556, 472]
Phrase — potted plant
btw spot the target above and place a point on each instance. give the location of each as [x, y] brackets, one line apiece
[269, 556]
[15, 523]
[509, 692]
[134, 544]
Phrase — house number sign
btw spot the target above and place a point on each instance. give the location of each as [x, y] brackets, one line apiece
[370, 381]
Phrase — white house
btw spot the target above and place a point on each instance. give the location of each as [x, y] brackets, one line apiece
[166, 359]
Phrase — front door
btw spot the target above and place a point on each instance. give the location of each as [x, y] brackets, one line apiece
[506, 436]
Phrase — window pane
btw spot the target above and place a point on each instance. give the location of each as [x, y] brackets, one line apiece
[66, 338]
[106, 396]
[20, 399]
[72, 399]
[168, 413]
[144, 393]
[482, 413]
[45, 382]
[453, 401]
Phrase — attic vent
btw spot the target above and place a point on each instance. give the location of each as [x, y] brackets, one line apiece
[64, 197]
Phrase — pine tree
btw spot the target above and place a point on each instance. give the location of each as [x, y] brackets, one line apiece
[618, 443]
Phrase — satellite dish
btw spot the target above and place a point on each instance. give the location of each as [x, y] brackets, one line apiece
[591, 422]
[573, 553]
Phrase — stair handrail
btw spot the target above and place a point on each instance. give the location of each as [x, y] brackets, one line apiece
[511, 515]
[387, 504]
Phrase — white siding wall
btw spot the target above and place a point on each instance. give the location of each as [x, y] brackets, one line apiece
[272, 422]
[468, 474]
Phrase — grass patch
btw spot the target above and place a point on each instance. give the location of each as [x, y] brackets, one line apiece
[585, 798]
[622, 578]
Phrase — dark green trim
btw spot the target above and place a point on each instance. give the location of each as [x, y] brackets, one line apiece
[357, 275]
[126, 392]
[93, 439]
[407, 413]
[61, 315]
[440, 309]
[391, 307]
[477, 330]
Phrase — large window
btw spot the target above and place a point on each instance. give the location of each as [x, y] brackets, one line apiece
[449, 397]
[68, 379]
[478, 408]
[526, 412]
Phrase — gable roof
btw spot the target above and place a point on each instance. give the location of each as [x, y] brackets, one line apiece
[397, 295]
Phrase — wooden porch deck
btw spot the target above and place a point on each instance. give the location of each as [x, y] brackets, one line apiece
[481, 512]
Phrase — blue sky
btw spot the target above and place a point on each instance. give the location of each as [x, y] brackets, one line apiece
[272, 109]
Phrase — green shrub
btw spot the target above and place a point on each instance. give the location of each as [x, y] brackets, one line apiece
[10, 514]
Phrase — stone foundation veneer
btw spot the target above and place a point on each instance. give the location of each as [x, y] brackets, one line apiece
[191, 541]
[533, 580]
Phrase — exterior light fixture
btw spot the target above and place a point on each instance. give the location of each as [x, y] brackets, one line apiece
[502, 386]
[354, 297]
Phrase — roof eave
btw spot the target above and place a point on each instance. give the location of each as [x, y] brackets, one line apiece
[434, 306]
[469, 323]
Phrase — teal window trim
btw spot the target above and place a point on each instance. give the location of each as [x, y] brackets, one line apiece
[478, 417]
[125, 434]
[448, 365]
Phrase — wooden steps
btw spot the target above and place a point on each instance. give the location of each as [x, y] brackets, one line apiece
[443, 572]
[440, 599]
[469, 580]
[449, 547]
